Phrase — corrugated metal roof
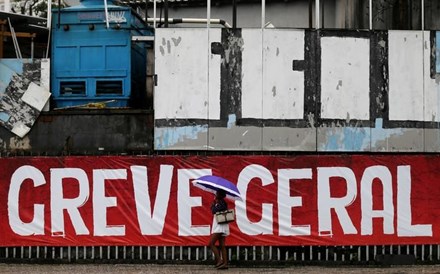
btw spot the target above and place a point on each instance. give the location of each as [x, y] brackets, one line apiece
[25, 23]
[196, 2]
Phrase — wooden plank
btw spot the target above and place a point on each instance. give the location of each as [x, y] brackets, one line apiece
[20, 34]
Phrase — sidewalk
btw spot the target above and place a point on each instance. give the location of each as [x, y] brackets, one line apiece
[186, 269]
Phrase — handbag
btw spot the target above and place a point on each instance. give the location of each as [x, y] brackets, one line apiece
[224, 217]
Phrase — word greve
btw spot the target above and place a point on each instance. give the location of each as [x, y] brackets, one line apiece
[151, 222]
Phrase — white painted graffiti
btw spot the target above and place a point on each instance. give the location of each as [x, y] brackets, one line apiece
[117, 17]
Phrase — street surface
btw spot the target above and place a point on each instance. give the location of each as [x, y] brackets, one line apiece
[187, 269]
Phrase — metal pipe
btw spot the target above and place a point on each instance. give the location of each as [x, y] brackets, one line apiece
[192, 21]
[32, 48]
[322, 19]
[166, 13]
[146, 8]
[234, 14]
[59, 13]
[423, 14]
[48, 43]
[370, 7]
[154, 14]
[208, 14]
[106, 14]
[49, 25]
[263, 13]
[317, 5]
[49, 14]
[208, 53]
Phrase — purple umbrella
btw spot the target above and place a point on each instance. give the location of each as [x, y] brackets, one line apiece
[212, 183]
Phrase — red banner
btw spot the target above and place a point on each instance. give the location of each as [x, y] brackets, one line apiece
[300, 200]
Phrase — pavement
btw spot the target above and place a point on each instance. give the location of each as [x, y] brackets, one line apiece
[187, 269]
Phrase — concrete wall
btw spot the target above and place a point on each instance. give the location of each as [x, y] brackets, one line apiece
[83, 132]
[296, 90]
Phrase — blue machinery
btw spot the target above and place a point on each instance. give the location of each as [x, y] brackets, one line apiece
[94, 58]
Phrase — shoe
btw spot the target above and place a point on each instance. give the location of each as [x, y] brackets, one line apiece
[218, 264]
[222, 266]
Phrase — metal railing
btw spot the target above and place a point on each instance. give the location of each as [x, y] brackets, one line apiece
[413, 254]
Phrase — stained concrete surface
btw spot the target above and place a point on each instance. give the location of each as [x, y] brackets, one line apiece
[166, 269]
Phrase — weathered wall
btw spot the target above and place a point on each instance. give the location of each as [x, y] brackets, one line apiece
[296, 90]
[83, 132]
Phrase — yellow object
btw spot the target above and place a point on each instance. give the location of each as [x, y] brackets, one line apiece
[96, 105]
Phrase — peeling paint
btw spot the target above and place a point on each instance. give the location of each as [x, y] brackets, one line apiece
[381, 135]
[232, 119]
[346, 139]
[437, 51]
[16, 143]
[311, 120]
[359, 63]
[339, 84]
[176, 41]
[169, 47]
[274, 91]
[234, 42]
[168, 137]
[3, 145]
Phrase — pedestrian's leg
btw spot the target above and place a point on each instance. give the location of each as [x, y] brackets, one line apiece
[214, 238]
[224, 265]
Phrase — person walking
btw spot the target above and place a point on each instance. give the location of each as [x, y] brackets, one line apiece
[219, 231]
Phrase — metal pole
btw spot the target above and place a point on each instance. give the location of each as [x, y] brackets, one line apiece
[32, 48]
[423, 14]
[146, 10]
[154, 14]
[208, 54]
[234, 14]
[166, 13]
[59, 13]
[263, 13]
[322, 13]
[48, 42]
[106, 14]
[49, 27]
[317, 14]
[370, 7]
[49, 14]
[208, 15]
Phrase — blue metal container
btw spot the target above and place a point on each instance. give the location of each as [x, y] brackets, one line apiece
[94, 58]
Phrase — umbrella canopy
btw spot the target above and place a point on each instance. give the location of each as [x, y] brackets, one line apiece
[212, 183]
